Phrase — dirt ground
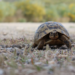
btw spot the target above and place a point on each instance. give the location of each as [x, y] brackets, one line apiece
[23, 60]
[18, 30]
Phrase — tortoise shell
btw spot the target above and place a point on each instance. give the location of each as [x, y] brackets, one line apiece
[48, 27]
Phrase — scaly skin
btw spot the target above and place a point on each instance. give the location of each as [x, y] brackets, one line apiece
[63, 39]
[66, 41]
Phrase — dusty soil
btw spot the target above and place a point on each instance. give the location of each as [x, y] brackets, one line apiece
[23, 60]
[18, 30]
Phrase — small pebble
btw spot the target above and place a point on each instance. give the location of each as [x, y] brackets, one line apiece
[28, 61]
[50, 72]
[1, 72]
[73, 59]
[38, 63]
[71, 68]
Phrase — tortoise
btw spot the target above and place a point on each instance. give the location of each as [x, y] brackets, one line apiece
[52, 33]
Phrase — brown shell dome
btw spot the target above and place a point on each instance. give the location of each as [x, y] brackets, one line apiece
[48, 27]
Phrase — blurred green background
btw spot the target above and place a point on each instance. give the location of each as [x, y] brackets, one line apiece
[37, 10]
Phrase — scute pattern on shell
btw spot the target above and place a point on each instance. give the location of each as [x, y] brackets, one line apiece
[48, 27]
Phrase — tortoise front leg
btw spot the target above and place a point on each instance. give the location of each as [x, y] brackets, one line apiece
[49, 41]
[41, 44]
[34, 45]
[66, 41]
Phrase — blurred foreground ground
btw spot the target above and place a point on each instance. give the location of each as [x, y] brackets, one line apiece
[20, 59]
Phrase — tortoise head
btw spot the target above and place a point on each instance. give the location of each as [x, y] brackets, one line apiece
[53, 35]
